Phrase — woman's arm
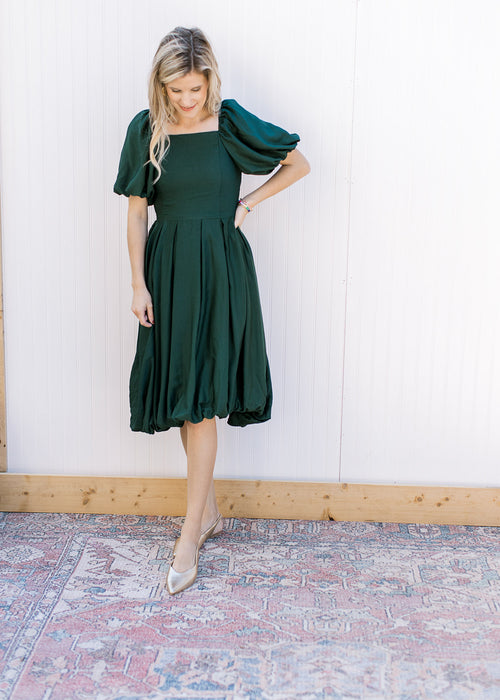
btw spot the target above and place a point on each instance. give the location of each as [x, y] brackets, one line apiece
[293, 168]
[137, 233]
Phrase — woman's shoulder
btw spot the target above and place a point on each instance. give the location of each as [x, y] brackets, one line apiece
[231, 109]
[236, 119]
[141, 115]
[139, 126]
[140, 120]
[229, 103]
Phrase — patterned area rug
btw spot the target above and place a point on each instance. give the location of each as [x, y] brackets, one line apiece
[280, 609]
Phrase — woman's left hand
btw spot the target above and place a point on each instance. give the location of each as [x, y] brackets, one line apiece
[239, 216]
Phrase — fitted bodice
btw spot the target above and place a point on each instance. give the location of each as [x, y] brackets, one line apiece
[199, 179]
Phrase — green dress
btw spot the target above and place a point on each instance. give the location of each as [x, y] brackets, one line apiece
[205, 355]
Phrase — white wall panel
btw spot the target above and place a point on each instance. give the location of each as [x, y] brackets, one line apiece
[73, 75]
[422, 375]
[378, 272]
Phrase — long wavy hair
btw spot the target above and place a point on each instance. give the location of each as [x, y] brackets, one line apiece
[180, 52]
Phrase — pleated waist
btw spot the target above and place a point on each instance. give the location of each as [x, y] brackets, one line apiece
[179, 215]
[195, 230]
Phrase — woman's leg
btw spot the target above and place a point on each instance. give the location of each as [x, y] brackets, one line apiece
[211, 508]
[201, 444]
[184, 437]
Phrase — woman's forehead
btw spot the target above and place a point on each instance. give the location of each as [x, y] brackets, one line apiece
[188, 81]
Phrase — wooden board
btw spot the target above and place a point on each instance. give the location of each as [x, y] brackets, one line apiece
[253, 499]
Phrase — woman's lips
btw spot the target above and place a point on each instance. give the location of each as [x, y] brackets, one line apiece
[188, 109]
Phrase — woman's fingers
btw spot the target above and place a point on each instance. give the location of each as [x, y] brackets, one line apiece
[143, 320]
[142, 307]
[142, 315]
[241, 212]
[149, 309]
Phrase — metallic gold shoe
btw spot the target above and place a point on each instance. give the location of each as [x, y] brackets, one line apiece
[179, 580]
[209, 532]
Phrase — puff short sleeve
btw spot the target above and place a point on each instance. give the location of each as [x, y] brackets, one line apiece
[135, 174]
[257, 147]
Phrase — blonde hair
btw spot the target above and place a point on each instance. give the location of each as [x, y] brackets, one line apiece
[180, 52]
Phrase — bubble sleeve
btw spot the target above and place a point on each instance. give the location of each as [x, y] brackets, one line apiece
[135, 174]
[256, 146]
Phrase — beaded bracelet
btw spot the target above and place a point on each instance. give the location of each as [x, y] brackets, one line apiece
[244, 204]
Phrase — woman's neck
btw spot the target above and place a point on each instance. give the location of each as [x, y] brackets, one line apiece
[186, 126]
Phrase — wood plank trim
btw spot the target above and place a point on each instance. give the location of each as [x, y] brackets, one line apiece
[50, 493]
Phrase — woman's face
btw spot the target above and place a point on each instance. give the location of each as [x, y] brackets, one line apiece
[188, 95]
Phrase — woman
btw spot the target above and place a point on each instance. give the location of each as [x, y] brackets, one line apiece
[200, 349]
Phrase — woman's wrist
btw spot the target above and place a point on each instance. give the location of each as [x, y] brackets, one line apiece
[139, 286]
[251, 199]
[245, 204]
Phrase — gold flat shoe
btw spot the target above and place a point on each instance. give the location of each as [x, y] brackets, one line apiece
[209, 532]
[179, 580]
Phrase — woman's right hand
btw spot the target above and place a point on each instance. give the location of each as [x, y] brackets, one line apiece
[142, 307]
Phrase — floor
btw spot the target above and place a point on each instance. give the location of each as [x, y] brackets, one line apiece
[280, 609]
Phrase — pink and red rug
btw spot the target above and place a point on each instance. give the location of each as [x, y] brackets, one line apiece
[281, 609]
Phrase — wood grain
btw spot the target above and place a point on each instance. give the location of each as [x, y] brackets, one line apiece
[279, 500]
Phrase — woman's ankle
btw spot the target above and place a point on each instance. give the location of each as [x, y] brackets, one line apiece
[191, 531]
[209, 514]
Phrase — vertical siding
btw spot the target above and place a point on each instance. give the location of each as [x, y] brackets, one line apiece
[377, 273]
[422, 370]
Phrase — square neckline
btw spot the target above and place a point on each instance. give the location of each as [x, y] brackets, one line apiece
[194, 133]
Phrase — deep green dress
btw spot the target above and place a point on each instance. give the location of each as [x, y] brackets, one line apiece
[205, 355]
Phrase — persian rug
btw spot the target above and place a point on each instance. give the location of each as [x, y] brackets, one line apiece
[281, 609]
